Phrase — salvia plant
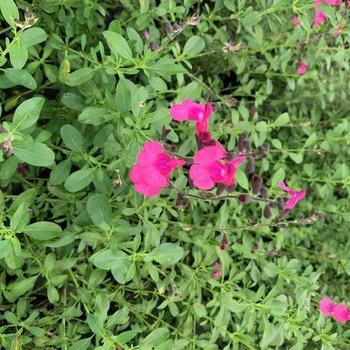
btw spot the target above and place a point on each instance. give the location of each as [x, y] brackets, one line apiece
[174, 174]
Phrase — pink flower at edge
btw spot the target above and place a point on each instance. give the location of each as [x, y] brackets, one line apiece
[295, 21]
[210, 167]
[151, 172]
[302, 68]
[326, 306]
[333, 2]
[320, 18]
[341, 313]
[200, 114]
[293, 196]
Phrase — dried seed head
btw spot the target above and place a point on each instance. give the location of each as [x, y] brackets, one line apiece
[230, 101]
[264, 192]
[263, 150]
[256, 182]
[168, 28]
[181, 201]
[230, 155]
[267, 211]
[194, 20]
[250, 167]
[6, 146]
[178, 27]
[229, 47]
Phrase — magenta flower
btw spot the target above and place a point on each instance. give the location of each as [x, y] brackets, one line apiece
[293, 196]
[320, 18]
[326, 306]
[295, 21]
[302, 68]
[151, 172]
[200, 114]
[341, 313]
[211, 167]
[333, 2]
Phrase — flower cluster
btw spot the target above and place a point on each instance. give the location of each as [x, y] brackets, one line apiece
[340, 312]
[211, 166]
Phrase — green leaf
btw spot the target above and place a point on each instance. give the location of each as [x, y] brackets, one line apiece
[82, 344]
[34, 153]
[283, 119]
[72, 137]
[33, 36]
[118, 45]
[156, 337]
[16, 289]
[18, 55]
[99, 209]
[194, 45]
[43, 230]
[123, 95]
[95, 325]
[167, 254]
[95, 116]
[166, 67]
[27, 113]
[20, 77]
[60, 172]
[252, 18]
[9, 11]
[242, 180]
[20, 218]
[79, 180]
[80, 76]
[277, 177]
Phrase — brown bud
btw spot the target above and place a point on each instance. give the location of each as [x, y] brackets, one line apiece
[241, 139]
[231, 188]
[153, 46]
[250, 167]
[267, 211]
[256, 183]
[220, 188]
[280, 203]
[165, 133]
[264, 192]
[244, 198]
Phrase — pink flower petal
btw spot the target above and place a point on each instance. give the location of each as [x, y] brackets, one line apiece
[294, 196]
[210, 154]
[341, 313]
[326, 306]
[149, 152]
[201, 177]
[187, 110]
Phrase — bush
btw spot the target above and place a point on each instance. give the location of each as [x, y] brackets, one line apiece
[89, 263]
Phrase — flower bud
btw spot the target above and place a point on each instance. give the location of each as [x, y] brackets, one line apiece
[256, 183]
[168, 27]
[264, 192]
[250, 167]
[224, 242]
[220, 188]
[267, 211]
[244, 198]
[280, 203]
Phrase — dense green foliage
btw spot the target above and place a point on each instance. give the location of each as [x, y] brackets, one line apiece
[86, 262]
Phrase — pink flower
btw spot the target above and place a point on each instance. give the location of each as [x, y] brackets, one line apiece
[211, 167]
[341, 313]
[295, 21]
[200, 114]
[151, 172]
[326, 306]
[146, 35]
[320, 18]
[302, 68]
[293, 196]
[333, 2]
[216, 274]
